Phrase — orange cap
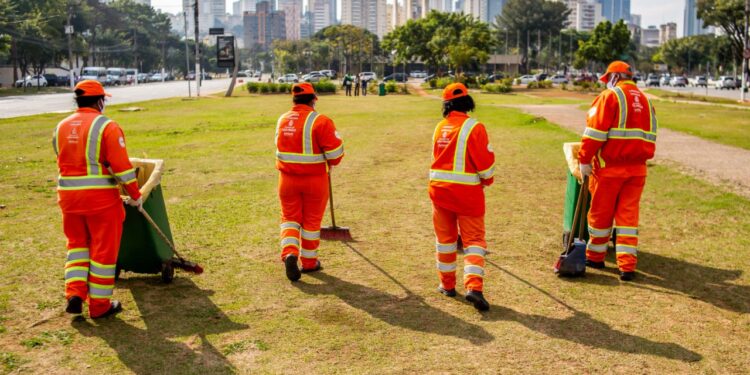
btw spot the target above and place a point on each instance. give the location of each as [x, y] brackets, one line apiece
[91, 87]
[304, 88]
[455, 90]
[616, 67]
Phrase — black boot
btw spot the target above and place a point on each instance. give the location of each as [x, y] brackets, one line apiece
[317, 267]
[75, 305]
[447, 292]
[114, 307]
[292, 271]
[627, 276]
[592, 264]
[478, 300]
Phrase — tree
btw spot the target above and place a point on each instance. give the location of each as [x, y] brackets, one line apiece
[728, 15]
[528, 22]
[608, 43]
[351, 43]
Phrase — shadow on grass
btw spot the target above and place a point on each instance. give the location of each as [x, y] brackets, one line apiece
[581, 328]
[410, 312]
[168, 311]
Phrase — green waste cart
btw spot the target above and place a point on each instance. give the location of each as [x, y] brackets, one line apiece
[572, 191]
[141, 249]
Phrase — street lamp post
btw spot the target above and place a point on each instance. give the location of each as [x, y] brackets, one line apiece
[745, 51]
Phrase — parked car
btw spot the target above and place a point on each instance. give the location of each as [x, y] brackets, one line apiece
[30, 81]
[53, 80]
[130, 76]
[191, 76]
[637, 77]
[155, 77]
[329, 73]
[725, 82]
[94, 72]
[541, 76]
[652, 80]
[116, 76]
[738, 82]
[314, 77]
[418, 74]
[495, 77]
[585, 78]
[367, 76]
[678, 81]
[143, 77]
[698, 81]
[558, 79]
[524, 80]
[289, 78]
[397, 77]
[664, 80]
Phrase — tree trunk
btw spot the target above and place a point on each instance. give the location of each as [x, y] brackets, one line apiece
[14, 57]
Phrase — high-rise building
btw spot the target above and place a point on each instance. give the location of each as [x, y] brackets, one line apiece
[367, 14]
[306, 30]
[615, 10]
[263, 26]
[476, 8]
[394, 16]
[293, 15]
[584, 14]
[635, 19]
[321, 14]
[650, 36]
[667, 32]
[692, 25]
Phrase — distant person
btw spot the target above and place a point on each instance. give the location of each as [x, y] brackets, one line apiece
[307, 145]
[348, 84]
[620, 136]
[364, 87]
[463, 164]
[356, 85]
[91, 160]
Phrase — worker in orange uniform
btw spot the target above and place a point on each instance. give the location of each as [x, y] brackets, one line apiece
[463, 164]
[307, 145]
[620, 136]
[92, 159]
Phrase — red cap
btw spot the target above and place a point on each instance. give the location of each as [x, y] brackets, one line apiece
[303, 88]
[616, 67]
[91, 87]
[455, 90]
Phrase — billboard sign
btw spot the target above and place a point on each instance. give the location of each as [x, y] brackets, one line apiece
[225, 51]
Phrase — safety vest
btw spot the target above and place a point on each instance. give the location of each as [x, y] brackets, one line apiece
[308, 155]
[622, 131]
[458, 174]
[97, 175]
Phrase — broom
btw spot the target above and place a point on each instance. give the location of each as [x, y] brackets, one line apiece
[334, 233]
[180, 262]
[572, 261]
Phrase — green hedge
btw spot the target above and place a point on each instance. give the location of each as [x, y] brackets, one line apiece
[497, 88]
[539, 85]
[322, 87]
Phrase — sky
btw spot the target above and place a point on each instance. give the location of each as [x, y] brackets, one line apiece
[654, 12]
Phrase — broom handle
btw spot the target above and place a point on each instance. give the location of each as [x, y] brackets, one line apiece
[575, 215]
[330, 200]
[158, 230]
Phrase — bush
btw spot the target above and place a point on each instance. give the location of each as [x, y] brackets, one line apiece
[324, 87]
[441, 83]
[284, 88]
[391, 86]
[498, 88]
[539, 85]
[432, 83]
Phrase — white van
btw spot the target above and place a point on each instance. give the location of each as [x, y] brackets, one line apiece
[116, 76]
[94, 72]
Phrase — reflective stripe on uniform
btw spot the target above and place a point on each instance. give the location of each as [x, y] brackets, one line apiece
[622, 132]
[489, 172]
[622, 102]
[473, 270]
[446, 267]
[289, 241]
[626, 231]
[77, 255]
[447, 248]
[105, 271]
[310, 235]
[457, 178]
[474, 250]
[85, 182]
[626, 249]
[308, 253]
[100, 290]
[307, 143]
[459, 159]
[290, 157]
[632, 134]
[93, 144]
[594, 134]
[597, 248]
[594, 232]
[55, 137]
[289, 225]
[77, 273]
[335, 153]
[127, 176]
[654, 121]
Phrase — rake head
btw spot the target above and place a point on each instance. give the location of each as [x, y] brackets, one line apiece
[187, 266]
[334, 233]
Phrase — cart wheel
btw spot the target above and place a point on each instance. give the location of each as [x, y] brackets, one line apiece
[118, 271]
[167, 273]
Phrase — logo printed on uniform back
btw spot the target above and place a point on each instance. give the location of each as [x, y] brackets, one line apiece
[73, 136]
[289, 129]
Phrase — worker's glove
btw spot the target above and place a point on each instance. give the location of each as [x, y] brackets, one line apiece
[585, 170]
[134, 202]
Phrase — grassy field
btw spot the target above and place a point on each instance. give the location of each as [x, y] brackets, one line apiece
[374, 308]
[10, 91]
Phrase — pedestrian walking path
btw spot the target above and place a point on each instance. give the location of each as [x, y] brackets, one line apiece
[711, 161]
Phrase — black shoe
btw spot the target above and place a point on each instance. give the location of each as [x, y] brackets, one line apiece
[292, 271]
[317, 267]
[627, 276]
[592, 264]
[75, 305]
[478, 300]
[114, 307]
[447, 292]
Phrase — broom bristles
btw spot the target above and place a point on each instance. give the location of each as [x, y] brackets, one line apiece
[335, 234]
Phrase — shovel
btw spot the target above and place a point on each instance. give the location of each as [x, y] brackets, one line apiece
[333, 232]
[572, 261]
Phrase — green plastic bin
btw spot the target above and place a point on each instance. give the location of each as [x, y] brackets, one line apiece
[141, 248]
[572, 191]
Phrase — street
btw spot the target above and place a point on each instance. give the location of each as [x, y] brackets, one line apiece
[25, 105]
[710, 91]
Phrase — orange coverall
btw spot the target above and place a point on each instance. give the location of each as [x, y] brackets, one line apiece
[86, 143]
[620, 136]
[463, 164]
[306, 144]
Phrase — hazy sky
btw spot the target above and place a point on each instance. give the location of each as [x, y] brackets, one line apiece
[654, 12]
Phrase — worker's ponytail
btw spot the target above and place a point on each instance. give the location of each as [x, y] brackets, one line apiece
[461, 104]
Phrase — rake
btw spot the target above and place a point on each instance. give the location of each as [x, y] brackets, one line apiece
[334, 232]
